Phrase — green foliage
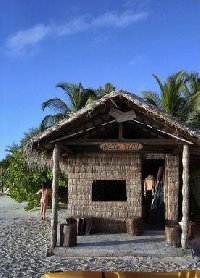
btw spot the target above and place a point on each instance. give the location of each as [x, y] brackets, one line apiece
[192, 91]
[77, 96]
[24, 182]
[179, 96]
[152, 98]
[28, 135]
[102, 91]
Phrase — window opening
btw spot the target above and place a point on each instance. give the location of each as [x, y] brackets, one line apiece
[109, 190]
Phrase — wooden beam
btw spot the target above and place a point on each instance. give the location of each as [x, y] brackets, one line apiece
[141, 141]
[79, 132]
[143, 151]
[166, 132]
[54, 219]
[185, 194]
[67, 150]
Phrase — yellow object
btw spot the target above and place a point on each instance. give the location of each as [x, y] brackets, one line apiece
[99, 274]
[74, 274]
[177, 274]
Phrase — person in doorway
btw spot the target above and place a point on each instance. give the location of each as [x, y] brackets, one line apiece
[149, 184]
[44, 191]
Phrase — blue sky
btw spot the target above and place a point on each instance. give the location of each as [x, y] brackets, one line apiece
[44, 42]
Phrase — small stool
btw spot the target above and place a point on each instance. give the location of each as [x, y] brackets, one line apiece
[134, 226]
[68, 235]
[173, 235]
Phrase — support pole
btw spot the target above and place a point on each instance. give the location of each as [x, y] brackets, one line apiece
[54, 219]
[185, 194]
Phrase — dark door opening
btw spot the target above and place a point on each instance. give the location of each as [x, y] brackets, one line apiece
[153, 191]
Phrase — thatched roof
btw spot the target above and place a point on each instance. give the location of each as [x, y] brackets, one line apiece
[80, 122]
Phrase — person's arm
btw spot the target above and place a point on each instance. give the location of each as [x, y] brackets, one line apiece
[39, 191]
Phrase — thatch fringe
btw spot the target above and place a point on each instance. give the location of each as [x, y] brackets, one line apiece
[37, 159]
[42, 160]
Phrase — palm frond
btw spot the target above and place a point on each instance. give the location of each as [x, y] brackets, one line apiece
[46, 122]
[158, 81]
[109, 88]
[152, 98]
[178, 76]
[88, 96]
[102, 91]
[55, 104]
[194, 119]
[50, 120]
[192, 83]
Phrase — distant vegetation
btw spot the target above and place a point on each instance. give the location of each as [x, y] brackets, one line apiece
[24, 182]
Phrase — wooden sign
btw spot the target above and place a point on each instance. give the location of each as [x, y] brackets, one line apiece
[121, 146]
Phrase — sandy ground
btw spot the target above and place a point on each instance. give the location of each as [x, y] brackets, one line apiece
[24, 240]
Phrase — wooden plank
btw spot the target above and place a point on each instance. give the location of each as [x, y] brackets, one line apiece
[122, 116]
[144, 151]
[154, 155]
[185, 200]
[54, 219]
[120, 146]
[141, 141]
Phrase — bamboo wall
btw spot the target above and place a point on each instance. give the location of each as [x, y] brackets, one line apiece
[84, 168]
[110, 216]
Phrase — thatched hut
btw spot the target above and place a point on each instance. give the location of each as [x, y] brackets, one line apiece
[107, 149]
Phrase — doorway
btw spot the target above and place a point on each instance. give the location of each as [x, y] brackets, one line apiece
[153, 209]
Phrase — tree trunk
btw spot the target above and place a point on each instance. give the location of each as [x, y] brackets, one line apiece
[54, 219]
[185, 194]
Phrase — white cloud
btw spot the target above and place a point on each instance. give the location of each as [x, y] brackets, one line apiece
[72, 27]
[118, 20]
[24, 40]
[30, 37]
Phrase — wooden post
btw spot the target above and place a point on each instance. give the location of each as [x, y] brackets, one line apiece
[185, 194]
[54, 219]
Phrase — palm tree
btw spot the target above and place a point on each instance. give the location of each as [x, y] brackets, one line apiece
[108, 88]
[76, 95]
[179, 96]
[192, 91]
[171, 98]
